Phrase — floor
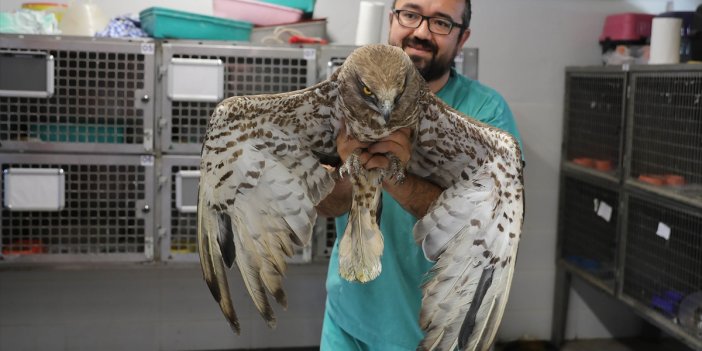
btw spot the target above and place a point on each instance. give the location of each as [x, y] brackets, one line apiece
[625, 345]
[576, 345]
[638, 344]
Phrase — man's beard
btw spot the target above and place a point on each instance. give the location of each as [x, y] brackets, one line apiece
[435, 67]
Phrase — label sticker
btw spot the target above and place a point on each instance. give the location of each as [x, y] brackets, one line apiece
[663, 231]
[148, 48]
[147, 160]
[309, 54]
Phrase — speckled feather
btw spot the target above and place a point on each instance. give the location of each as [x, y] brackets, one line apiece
[261, 179]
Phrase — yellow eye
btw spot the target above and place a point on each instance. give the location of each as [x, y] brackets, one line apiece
[367, 91]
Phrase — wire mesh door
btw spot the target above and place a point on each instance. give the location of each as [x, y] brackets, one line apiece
[105, 212]
[102, 99]
[247, 71]
[663, 259]
[666, 133]
[594, 110]
[588, 228]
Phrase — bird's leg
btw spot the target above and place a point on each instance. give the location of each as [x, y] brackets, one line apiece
[396, 169]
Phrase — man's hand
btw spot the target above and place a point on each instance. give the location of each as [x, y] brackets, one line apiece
[373, 155]
[415, 195]
[346, 145]
[398, 143]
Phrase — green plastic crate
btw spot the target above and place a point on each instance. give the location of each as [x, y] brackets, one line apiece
[161, 22]
[307, 6]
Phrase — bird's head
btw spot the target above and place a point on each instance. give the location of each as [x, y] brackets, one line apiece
[379, 88]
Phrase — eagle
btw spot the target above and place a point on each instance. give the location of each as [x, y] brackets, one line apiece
[262, 176]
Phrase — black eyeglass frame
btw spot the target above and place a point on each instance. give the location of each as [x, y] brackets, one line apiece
[427, 18]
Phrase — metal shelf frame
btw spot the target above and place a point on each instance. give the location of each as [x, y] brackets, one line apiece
[659, 114]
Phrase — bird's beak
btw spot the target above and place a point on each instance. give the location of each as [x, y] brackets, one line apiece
[386, 109]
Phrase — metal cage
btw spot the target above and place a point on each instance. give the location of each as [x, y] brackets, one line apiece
[663, 254]
[588, 225]
[178, 179]
[324, 238]
[247, 70]
[595, 103]
[330, 58]
[665, 143]
[70, 208]
[100, 98]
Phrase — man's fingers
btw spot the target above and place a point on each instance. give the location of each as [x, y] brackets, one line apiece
[347, 144]
[377, 161]
[398, 143]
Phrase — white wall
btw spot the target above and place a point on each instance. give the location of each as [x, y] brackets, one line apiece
[524, 48]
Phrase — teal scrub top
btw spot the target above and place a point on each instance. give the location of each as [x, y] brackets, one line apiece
[385, 312]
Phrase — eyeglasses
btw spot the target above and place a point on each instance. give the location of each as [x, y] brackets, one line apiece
[437, 25]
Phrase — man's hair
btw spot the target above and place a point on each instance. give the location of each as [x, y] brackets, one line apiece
[466, 14]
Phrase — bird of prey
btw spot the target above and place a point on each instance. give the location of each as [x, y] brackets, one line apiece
[261, 178]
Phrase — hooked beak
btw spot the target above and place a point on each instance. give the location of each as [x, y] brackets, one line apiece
[386, 109]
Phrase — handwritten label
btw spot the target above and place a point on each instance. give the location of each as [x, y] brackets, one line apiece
[148, 48]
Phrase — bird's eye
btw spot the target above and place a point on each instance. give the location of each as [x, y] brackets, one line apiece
[367, 91]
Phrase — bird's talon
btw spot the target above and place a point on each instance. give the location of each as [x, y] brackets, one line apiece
[400, 178]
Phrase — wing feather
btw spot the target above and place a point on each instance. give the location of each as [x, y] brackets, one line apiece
[473, 228]
[260, 180]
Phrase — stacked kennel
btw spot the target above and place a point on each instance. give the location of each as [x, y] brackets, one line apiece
[633, 142]
[77, 149]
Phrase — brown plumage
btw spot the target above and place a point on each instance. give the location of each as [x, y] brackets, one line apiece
[261, 180]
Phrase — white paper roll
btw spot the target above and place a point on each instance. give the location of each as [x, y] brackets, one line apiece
[370, 22]
[665, 40]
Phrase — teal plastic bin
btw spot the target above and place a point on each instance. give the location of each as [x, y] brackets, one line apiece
[77, 133]
[307, 6]
[161, 22]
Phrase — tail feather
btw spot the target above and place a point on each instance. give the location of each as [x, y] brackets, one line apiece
[361, 246]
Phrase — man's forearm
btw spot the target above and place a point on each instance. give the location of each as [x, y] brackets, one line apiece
[415, 195]
[338, 202]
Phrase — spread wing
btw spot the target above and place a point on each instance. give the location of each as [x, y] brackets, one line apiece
[471, 231]
[260, 180]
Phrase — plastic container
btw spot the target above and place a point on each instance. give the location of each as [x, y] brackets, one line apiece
[686, 31]
[282, 33]
[306, 6]
[83, 18]
[161, 22]
[256, 12]
[690, 313]
[625, 28]
[696, 35]
[77, 133]
[52, 7]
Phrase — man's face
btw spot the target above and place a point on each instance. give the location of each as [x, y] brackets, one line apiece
[431, 53]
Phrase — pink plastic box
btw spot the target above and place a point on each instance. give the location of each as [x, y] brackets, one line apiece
[627, 27]
[257, 12]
